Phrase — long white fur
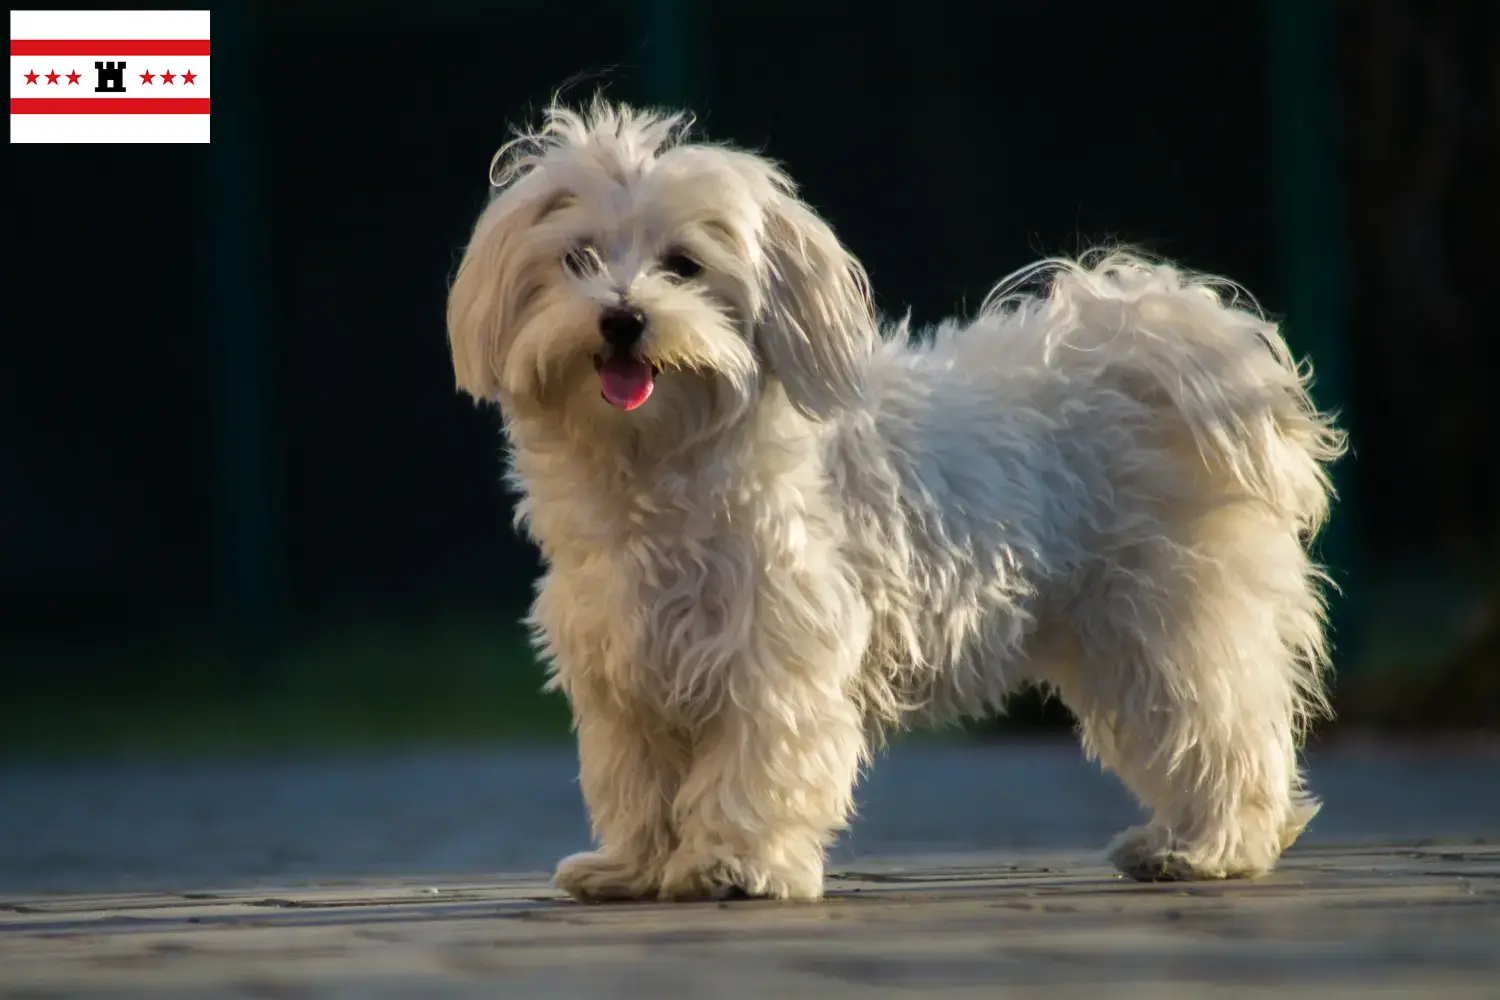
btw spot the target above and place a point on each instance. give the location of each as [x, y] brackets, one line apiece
[816, 531]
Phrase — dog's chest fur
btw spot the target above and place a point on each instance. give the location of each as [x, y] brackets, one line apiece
[666, 587]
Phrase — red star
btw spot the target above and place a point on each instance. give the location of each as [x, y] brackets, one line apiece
[166, 76]
[52, 78]
[31, 78]
[72, 78]
[189, 77]
[146, 77]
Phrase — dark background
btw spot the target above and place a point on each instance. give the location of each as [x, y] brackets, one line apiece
[241, 501]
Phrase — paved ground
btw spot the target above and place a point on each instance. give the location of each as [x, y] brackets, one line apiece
[291, 878]
[115, 826]
[1415, 921]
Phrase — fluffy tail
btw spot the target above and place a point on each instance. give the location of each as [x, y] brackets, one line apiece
[1198, 346]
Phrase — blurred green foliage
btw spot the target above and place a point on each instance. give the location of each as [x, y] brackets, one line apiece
[359, 686]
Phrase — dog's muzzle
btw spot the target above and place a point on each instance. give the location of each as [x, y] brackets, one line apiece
[621, 328]
[625, 380]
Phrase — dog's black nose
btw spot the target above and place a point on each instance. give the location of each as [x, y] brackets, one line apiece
[622, 327]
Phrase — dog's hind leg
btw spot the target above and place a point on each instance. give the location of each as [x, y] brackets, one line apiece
[1196, 670]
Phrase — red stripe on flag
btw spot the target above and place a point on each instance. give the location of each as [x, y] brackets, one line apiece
[94, 47]
[109, 105]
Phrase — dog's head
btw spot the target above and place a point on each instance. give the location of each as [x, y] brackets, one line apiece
[621, 274]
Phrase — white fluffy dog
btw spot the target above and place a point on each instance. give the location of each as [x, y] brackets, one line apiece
[774, 532]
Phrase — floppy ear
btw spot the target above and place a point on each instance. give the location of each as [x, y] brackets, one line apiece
[817, 329]
[489, 288]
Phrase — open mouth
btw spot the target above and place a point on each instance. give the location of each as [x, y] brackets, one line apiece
[624, 380]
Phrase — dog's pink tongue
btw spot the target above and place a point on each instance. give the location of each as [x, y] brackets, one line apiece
[626, 382]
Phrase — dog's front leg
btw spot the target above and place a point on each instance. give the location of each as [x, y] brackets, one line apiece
[629, 769]
[770, 786]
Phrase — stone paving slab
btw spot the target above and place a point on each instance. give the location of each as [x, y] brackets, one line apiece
[1421, 921]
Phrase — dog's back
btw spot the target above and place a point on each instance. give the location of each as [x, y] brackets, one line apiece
[1016, 467]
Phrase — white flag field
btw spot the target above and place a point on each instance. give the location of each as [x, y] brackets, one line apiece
[109, 76]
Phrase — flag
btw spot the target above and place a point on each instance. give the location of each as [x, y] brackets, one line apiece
[109, 76]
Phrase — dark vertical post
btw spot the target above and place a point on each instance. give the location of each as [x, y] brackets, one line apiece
[1311, 249]
[670, 70]
[249, 586]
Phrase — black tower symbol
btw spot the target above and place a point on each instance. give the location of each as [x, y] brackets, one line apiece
[111, 77]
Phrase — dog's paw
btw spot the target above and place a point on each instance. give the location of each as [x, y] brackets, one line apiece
[599, 877]
[1153, 854]
[1304, 808]
[689, 879]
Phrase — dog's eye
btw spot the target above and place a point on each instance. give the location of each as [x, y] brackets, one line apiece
[681, 265]
[581, 259]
